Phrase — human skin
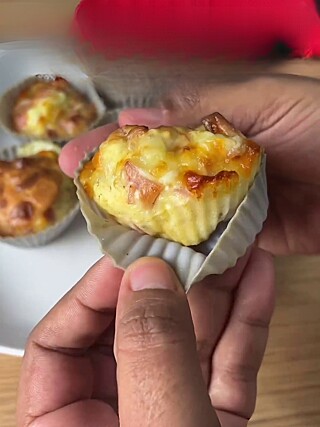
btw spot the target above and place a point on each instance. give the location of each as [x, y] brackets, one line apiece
[230, 313]
[279, 112]
[122, 348]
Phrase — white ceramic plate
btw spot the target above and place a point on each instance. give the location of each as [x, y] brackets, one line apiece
[33, 280]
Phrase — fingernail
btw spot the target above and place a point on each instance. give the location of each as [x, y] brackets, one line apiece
[150, 117]
[152, 274]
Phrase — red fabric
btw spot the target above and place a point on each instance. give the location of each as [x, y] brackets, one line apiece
[204, 28]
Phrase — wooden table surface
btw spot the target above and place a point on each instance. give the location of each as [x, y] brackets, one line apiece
[289, 382]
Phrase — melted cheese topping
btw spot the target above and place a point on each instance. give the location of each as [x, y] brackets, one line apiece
[150, 179]
[52, 109]
[35, 147]
[34, 193]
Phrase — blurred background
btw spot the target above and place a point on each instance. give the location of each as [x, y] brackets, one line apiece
[289, 383]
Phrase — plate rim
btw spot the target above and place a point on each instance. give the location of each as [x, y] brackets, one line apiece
[11, 351]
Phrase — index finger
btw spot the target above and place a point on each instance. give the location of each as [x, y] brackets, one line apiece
[55, 370]
[72, 154]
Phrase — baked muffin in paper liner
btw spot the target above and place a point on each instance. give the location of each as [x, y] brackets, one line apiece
[66, 209]
[82, 87]
[240, 219]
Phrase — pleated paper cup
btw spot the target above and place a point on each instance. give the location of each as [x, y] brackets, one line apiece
[126, 83]
[220, 252]
[48, 235]
[84, 86]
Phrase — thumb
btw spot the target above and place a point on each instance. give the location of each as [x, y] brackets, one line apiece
[159, 376]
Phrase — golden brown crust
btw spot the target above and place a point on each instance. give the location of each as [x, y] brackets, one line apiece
[29, 188]
[195, 183]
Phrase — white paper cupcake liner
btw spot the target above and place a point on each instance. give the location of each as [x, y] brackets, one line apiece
[46, 236]
[221, 251]
[125, 92]
[125, 83]
[84, 86]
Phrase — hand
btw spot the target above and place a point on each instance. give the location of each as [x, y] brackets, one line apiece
[280, 113]
[69, 372]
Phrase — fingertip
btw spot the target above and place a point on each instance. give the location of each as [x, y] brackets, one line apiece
[151, 273]
[151, 117]
[127, 118]
[147, 260]
[72, 153]
[102, 281]
[70, 157]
